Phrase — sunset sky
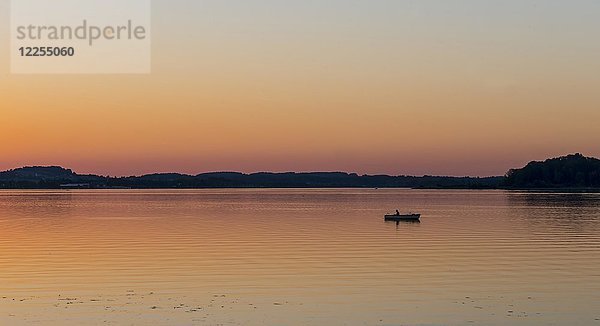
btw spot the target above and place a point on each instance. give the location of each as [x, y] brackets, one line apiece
[462, 87]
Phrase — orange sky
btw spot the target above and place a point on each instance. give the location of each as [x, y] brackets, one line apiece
[381, 88]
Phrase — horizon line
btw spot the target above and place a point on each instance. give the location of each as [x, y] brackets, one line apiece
[295, 172]
[251, 173]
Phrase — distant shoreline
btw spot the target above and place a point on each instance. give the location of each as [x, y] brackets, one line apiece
[572, 173]
[61, 178]
[521, 190]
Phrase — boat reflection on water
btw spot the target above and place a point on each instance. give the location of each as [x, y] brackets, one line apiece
[398, 222]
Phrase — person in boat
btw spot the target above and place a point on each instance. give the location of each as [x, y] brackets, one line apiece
[397, 213]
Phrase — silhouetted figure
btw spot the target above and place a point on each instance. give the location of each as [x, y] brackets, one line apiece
[397, 213]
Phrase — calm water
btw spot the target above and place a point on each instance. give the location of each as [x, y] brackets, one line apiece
[298, 257]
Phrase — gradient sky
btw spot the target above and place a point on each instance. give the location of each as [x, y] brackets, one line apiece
[462, 87]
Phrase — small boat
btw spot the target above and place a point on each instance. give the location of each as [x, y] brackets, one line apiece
[403, 217]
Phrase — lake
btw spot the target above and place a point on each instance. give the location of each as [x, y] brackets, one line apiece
[298, 257]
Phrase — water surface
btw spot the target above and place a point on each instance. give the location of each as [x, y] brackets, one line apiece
[298, 257]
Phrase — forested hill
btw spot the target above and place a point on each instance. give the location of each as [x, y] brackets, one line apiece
[57, 177]
[572, 171]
